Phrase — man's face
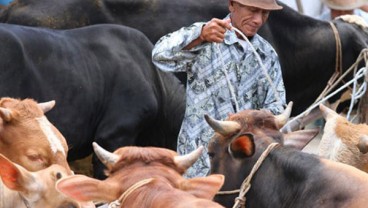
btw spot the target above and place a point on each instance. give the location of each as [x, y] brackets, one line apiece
[247, 19]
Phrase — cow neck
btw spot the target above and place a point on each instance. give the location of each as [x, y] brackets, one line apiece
[117, 203]
[245, 186]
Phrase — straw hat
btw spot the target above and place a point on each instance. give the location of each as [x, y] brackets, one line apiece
[344, 4]
[263, 4]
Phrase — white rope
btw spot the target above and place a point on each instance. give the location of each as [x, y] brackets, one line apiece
[358, 75]
[230, 86]
[262, 65]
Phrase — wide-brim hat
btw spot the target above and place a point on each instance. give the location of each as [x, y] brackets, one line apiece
[344, 4]
[262, 4]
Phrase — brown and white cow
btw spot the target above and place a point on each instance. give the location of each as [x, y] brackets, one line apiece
[27, 137]
[286, 177]
[145, 177]
[343, 141]
[27, 189]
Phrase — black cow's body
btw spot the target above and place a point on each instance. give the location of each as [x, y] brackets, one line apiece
[154, 18]
[306, 46]
[104, 83]
[287, 177]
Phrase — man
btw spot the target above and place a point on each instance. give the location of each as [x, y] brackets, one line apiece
[224, 75]
[343, 7]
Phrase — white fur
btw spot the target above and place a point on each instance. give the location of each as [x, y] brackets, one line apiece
[54, 141]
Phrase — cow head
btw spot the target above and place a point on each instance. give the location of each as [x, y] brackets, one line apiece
[129, 165]
[239, 141]
[34, 189]
[344, 141]
[27, 137]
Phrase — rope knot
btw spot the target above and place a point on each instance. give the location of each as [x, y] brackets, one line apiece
[240, 201]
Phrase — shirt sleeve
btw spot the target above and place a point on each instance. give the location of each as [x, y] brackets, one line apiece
[168, 54]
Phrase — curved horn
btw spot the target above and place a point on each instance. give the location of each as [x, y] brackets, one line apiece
[5, 114]
[363, 144]
[327, 112]
[223, 127]
[282, 118]
[185, 161]
[46, 106]
[106, 157]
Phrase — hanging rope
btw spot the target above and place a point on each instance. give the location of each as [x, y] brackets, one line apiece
[240, 201]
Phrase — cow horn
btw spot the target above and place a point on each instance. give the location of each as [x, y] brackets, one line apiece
[327, 112]
[106, 157]
[5, 114]
[46, 106]
[223, 127]
[282, 118]
[185, 161]
[363, 144]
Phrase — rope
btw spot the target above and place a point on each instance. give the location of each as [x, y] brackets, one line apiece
[245, 186]
[260, 63]
[117, 203]
[338, 64]
[357, 75]
[229, 85]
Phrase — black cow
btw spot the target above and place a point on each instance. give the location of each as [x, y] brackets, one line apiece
[306, 46]
[104, 83]
[154, 18]
[286, 177]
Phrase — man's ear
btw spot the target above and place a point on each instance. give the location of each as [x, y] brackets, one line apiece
[242, 146]
[231, 7]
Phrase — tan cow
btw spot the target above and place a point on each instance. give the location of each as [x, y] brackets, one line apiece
[27, 137]
[30, 140]
[344, 141]
[27, 189]
[145, 177]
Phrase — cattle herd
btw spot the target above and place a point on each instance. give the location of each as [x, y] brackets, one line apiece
[87, 65]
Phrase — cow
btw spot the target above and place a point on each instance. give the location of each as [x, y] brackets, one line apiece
[343, 141]
[145, 177]
[261, 171]
[26, 189]
[306, 46]
[27, 137]
[29, 142]
[103, 80]
[153, 18]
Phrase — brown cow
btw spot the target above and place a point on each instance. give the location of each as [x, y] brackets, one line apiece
[30, 140]
[145, 177]
[27, 189]
[344, 141]
[248, 145]
[27, 137]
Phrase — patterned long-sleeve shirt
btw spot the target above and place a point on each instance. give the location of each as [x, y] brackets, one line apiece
[212, 70]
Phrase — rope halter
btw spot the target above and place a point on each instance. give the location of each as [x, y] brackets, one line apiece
[117, 203]
[245, 186]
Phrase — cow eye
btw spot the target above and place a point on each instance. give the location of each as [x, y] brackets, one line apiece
[58, 175]
[211, 155]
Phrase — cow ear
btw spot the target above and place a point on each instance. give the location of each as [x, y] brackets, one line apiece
[363, 144]
[82, 188]
[5, 114]
[300, 139]
[14, 176]
[242, 146]
[203, 187]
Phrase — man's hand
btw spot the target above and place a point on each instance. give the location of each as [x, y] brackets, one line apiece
[214, 30]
